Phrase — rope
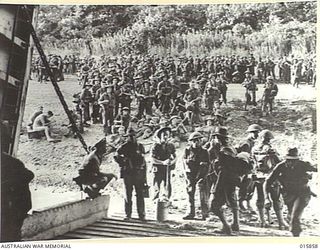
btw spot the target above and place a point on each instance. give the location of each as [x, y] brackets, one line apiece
[53, 80]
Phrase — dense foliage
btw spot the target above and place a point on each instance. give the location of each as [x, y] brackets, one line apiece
[281, 28]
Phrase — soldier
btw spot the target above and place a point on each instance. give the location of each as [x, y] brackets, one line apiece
[202, 81]
[246, 185]
[212, 98]
[179, 131]
[270, 92]
[266, 158]
[76, 119]
[123, 119]
[222, 86]
[285, 68]
[293, 175]
[260, 70]
[296, 72]
[189, 67]
[251, 64]
[180, 67]
[164, 158]
[34, 116]
[116, 140]
[178, 105]
[91, 180]
[145, 97]
[95, 94]
[164, 93]
[171, 65]
[66, 64]
[251, 88]
[219, 118]
[208, 129]
[15, 195]
[192, 99]
[125, 96]
[107, 103]
[269, 68]
[42, 73]
[42, 123]
[86, 99]
[84, 73]
[224, 189]
[117, 92]
[54, 64]
[196, 162]
[130, 157]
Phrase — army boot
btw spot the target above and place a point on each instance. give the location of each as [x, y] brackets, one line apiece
[241, 206]
[226, 229]
[235, 224]
[282, 224]
[191, 214]
[250, 208]
[261, 216]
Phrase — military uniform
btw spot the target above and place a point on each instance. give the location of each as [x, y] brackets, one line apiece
[212, 98]
[228, 171]
[251, 89]
[196, 161]
[86, 99]
[222, 86]
[162, 173]
[270, 91]
[125, 97]
[266, 158]
[164, 95]
[55, 67]
[193, 98]
[15, 197]
[84, 73]
[269, 68]
[224, 189]
[124, 120]
[178, 105]
[145, 98]
[296, 192]
[133, 172]
[107, 103]
[95, 106]
[260, 70]
[246, 187]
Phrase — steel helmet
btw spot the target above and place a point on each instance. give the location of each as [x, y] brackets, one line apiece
[195, 135]
[266, 134]
[254, 128]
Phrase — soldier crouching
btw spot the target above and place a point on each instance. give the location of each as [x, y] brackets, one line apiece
[91, 180]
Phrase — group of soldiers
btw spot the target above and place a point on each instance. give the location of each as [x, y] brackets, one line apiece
[187, 86]
[161, 87]
[287, 69]
[224, 175]
[56, 65]
[140, 96]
